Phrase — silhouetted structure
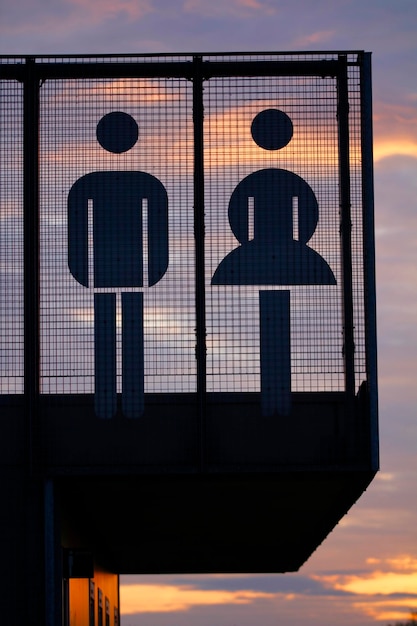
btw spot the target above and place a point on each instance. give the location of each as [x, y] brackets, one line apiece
[257, 420]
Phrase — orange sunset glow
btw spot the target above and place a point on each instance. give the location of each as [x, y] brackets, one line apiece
[364, 573]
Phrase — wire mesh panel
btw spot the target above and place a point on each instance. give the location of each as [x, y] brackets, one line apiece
[122, 283]
[11, 237]
[78, 250]
[248, 176]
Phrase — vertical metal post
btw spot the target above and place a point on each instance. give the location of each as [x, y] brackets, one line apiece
[369, 251]
[34, 569]
[346, 225]
[201, 354]
[31, 253]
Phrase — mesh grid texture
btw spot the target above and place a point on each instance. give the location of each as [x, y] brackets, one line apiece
[70, 109]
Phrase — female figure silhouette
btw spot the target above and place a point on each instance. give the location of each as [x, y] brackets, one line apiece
[275, 255]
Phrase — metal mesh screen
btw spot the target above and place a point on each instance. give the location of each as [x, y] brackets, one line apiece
[11, 237]
[231, 155]
[70, 112]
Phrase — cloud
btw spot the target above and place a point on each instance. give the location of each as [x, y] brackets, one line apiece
[386, 589]
[394, 576]
[317, 37]
[398, 146]
[101, 10]
[404, 562]
[395, 130]
[386, 593]
[378, 583]
[28, 16]
[271, 584]
[387, 609]
[236, 8]
[171, 598]
[68, 22]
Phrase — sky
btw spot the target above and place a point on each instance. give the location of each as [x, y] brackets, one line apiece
[365, 572]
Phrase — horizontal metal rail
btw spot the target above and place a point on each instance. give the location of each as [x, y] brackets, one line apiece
[167, 69]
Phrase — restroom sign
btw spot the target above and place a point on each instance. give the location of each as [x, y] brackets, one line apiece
[201, 230]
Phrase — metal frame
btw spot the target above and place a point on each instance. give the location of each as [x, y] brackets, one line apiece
[198, 68]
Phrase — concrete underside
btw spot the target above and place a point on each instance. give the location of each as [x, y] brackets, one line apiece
[185, 489]
[203, 524]
[182, 489]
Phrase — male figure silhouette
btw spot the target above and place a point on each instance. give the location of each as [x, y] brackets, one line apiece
[276, 255]
[116, 201]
